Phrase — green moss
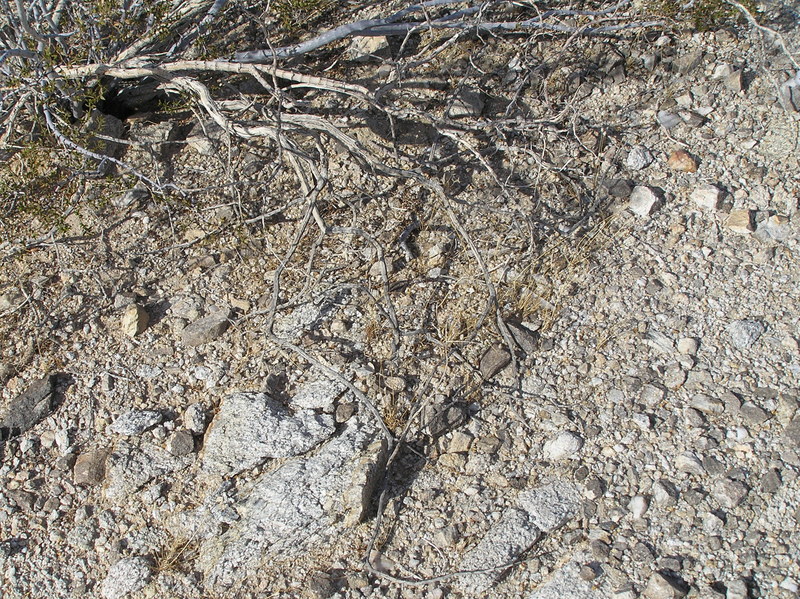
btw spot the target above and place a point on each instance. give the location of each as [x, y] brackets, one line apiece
[702, 15]
[293, 14]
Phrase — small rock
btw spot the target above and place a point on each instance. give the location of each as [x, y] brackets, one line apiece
[28, 408]
[136, 422]
[707, 197]
[661, 586]
[664, 493]
[527, 339]
[206, 329]
[792, 431]
[790, 93]
[468, 103]
[493, 361]
[737, 589]
[754, 414]
[180, 443]
[740, 221]
[729, 493]
[674, 377]
[132, 197]
[734, 81]
[437, 420]
[643, 201]
[686, 63]
[460, 442]
[707, 405]
[365, 474]
[771, 481]
[775, 227]
[395, 383]
[681, 160]
[134, 320]
[345, 411]
[618, 188]
[446, 537]
[639, 158]
[194, 419]
[127, 576]
[744, 333]
[686, 462]
[668, 120]
[638, 506]
[11, 300]
[563, 446]
[90, 467]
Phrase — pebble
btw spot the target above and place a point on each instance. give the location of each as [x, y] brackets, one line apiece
[494, 360]
[563, 446]
[737, 589]
[638, 506]
[661, 586]
[195, 419]
[792, 431]
[135, 422]
[707, 197]
[127, 576]
[134, 320]
[744, 333]
[674, 377]
[740, 221]
[643, 201]
[681, 160]
[206, 329]
[754, 414]
[664, 493]
[706, 404]
[468, 103]
[639, 158]
[180, 443]
[28, 408]
[668, 120]
[729, 493]
[90, 467]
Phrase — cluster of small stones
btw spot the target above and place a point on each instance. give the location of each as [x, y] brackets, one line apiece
[653, 450]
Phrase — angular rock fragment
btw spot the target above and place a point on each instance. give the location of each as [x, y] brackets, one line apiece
[493, 361]
[707, 197]
[90, 467]
[563, 446]
[468, 103]
[135, 422]
[570, 581]
[665, 586]
[681, 160]
[194, 419]
[552, 505]
[639, 158]
[134, 320]
[744, 333]
[206, 329]
[251, 428]
[28, 408]
[127, 576]
[130, 467]
[294, 506]
[740, 221]
[366, 474]
[643, 201]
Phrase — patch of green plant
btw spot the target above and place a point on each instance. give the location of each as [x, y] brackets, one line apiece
[294, 14]
[702, 15]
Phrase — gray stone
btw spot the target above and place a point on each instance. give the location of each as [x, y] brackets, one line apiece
[688, 346]
[661, 586]
[195, 419]
[550, 506]
[318, 395]
[737, 589]
[790, 93]
[180, 443]
[131, 198]
[513, 535]
[771, 481]
[134, 320]
[11, 299]
[285, 511]
[706, 404]
[664, 493]
[668, 120]
[729, 493]
[437, 420]
[686, 63]
[527, 339]
[127, 576]
[734, 81]
[206, 329]
[689, 463]
[468, 103]
[753, 413]
[674, 377]
[130, 467]
[365, 475]
[744, 333]
[28, 408]
[707, 197]
[792, 430]
[90, 467]
[563, 446]
[250, 428]
[571, 581]
[643, 201]
[136, 422]
[638, 158]
[638, 506]
[494, 360]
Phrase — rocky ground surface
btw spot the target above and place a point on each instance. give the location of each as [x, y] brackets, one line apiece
[177, 426]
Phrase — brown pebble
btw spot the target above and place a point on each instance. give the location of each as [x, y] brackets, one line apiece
[681, 160]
